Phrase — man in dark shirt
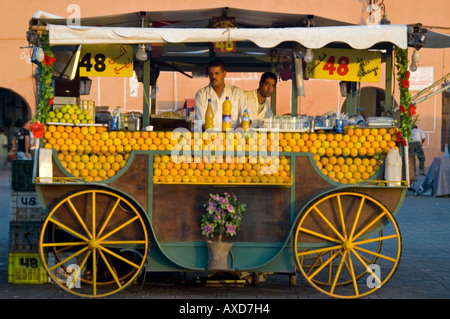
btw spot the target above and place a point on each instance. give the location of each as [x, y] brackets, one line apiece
[21, 142]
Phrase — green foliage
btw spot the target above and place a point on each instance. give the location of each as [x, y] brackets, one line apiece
[45, 94]
[223, 215]
[406, 109]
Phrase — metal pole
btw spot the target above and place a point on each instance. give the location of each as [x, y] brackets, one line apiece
[146, 94]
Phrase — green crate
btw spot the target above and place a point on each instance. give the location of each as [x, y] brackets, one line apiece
[22, 175]
[26, 268]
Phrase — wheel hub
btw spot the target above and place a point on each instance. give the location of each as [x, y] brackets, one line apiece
[348, 245]
[93, 244]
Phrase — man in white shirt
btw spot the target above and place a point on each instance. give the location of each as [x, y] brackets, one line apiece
[415, 148]
[258, 102]
[218, 91]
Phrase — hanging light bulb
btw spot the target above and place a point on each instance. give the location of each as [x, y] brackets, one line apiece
[414, 60]
[141, 55]
[309, 56]
[40, 55]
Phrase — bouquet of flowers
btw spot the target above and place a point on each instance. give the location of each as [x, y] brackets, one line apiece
[223, 215]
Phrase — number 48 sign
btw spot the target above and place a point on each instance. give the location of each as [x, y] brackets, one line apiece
[106, 60]
[345, 65]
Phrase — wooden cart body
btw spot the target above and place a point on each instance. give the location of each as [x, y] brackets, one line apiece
[173, 212]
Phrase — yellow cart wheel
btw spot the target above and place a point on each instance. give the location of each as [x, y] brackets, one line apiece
[315, 260]
[348, 254]
[98, 241]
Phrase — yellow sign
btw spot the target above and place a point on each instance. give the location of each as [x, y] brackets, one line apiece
[106, 60]
[228, 46]
[345, 65]
[225, 23]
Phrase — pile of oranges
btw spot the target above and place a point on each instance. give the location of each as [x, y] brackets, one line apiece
[95, 153]
[232, 169]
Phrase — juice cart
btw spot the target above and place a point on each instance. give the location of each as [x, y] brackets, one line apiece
[141, 210]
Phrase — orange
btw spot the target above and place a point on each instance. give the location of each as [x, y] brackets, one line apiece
[382, 131]
[160, 134]
[362, 151]
[354, 138]
[321, 136]
[340, 161]
[136, 134]
[392, 131]
[350, 132]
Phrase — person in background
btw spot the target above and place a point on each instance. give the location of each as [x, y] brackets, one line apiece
[415, 148]
[218, 91]
[4, 148]
[258, 99]
[22, 140]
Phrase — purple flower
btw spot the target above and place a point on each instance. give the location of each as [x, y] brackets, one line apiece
[222, 209]
[231, 229]
[212, 206]
[207, 229]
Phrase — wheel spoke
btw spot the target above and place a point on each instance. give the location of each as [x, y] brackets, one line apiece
[94, 271]
[317, 261]
[328, 223]
[374, 240]
[366, 266]
[375, 254]
[111, 212]
[319, 235]
[108, 265]
[94, 214]
[320, 251]
[341, 216]
[123, 242]
[358, 213]
[69, 258]
[323, 265]
[338, 272]
[369, 225]
[69, 230]
[64, 244]
[119, 257]
[119, 228]
[352, 274]
[77, 215]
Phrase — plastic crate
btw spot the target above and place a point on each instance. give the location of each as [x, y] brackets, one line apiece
[25, 206]
[26, 268]
[22, 175]
[24, 236]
